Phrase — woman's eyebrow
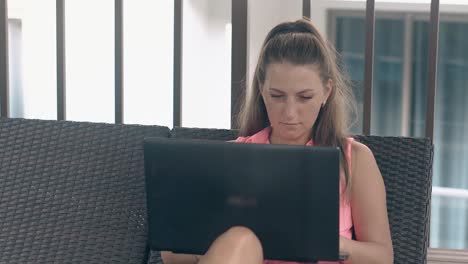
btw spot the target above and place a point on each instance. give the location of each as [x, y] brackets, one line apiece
[300, 92]
[276, 90]
[306, 90]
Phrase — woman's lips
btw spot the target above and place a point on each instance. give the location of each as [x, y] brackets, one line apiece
[289, 124]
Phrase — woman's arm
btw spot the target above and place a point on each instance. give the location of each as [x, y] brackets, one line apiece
[369, 210]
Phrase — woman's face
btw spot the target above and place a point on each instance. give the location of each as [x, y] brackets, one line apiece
[293, 96]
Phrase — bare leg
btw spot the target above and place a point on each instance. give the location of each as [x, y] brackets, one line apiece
[237, 245]
[172, 258]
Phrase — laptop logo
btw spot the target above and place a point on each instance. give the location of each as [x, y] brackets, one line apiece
[241, 201]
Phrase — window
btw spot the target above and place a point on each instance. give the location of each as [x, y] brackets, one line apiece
[399, 101]
[32, 62]
[15, 68]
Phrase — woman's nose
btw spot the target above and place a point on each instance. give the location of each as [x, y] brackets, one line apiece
[290, 110]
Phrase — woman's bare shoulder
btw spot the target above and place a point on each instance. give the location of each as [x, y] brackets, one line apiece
[364, 163]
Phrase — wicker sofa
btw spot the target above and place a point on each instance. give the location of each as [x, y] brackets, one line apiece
[73, 192]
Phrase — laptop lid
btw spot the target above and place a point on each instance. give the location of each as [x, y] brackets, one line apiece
[287, 195]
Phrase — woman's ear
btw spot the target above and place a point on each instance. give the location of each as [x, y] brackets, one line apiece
[328, 89]
[261, 93]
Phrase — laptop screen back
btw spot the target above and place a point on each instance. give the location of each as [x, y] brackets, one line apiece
[287, 195]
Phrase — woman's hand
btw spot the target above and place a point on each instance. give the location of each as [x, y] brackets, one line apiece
[343, 244]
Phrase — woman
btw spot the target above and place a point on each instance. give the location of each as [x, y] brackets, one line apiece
[299, 96]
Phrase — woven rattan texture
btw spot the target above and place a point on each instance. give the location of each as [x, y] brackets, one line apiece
[406, 166]
[72, 192]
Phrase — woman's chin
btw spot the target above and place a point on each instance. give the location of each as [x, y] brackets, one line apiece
[290, 135]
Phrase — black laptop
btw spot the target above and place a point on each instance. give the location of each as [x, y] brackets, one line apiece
[287, 195]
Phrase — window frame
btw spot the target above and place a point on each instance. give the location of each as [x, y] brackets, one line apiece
[435, 255]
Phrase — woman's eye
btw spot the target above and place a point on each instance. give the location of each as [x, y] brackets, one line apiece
[276, 96]
[306, 97]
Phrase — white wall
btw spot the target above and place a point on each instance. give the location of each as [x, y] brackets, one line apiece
[148, 59]
[206, 66]
[89, 38]
[263, 15]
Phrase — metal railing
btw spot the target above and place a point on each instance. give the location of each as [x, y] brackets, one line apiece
[238, 53]
[4, 106]
[60, 35]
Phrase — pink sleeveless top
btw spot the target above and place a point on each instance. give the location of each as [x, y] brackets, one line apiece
[346, 221]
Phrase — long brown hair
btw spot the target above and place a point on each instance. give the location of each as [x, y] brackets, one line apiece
[300, 43]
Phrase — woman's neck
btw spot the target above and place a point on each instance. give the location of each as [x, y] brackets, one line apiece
[299, 141]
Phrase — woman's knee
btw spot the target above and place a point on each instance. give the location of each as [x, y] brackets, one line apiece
[236, 245]
[243, 236]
